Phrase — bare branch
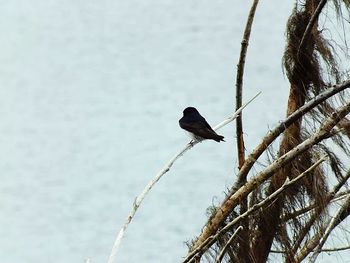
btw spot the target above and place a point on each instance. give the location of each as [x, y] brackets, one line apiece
[266, 201]
[310, 25]
[239, 82]
[335, 249]
[331, 225]
[272, 135]
[236, 114]
[341, 196]
[309, 246]
[233, 200]
[317, 210]
[326, 250]
[309, 208]
[223, 251]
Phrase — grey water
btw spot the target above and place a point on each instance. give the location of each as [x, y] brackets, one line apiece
[90, 97]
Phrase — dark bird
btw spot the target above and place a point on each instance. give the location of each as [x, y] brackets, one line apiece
[197, 126]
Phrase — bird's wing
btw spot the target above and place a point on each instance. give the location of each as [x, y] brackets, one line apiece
[200, 129]
[207, 125]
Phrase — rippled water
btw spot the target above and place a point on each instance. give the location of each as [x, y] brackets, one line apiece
[91, 92]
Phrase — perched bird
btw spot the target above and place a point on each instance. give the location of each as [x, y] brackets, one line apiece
[197, 126]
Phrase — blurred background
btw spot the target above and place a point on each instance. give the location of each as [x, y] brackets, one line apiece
[90, 97]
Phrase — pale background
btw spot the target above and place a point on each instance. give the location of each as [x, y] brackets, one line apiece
[90, 97]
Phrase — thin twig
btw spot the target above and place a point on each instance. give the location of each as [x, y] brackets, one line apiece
[193, 253]
[159, 175]
[232, 238]
[309, 208]
[324, 250]
[313, 242]
[335, 249]
[310, 25]
[239, 82]
[341, 196]
[331, 225]
[234, 115]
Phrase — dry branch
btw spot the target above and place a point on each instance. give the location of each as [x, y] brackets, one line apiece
[255, 207]
[310, 26]
[326, 250]
[335, 249]
[223, 251]
[331, 198]
[309, 246]
[272, 135]
[239, 82]
[331, 225]
[233, 200]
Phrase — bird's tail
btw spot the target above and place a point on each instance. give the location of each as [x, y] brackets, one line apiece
[219, 138]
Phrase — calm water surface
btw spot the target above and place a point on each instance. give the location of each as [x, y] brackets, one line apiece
[91, 92]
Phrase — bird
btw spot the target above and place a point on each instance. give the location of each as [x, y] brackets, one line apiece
[197, 126]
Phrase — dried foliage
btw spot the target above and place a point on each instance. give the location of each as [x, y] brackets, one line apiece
[294, 221]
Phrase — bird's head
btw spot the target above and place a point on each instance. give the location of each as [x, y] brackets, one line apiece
[189, 110]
